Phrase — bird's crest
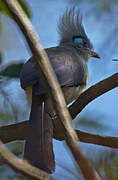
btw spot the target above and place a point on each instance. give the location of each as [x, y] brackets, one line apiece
[70, 25]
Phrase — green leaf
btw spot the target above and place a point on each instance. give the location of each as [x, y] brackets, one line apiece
[25, 8]
[4, 10]
[90, 123]
[16, 147]
[12, 70]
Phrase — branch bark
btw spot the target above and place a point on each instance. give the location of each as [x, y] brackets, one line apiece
[18, 131]
[53, 87]
[93, 92]
[21, 165]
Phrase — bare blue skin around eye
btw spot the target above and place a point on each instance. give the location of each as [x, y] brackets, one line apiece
[78, 41]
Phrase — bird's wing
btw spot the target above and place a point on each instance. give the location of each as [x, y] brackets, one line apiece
[69, 71]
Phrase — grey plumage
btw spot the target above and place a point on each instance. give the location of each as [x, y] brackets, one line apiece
[70, 25]
[69, 63]
[70, 69]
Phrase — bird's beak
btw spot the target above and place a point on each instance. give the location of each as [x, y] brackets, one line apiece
[94, 54]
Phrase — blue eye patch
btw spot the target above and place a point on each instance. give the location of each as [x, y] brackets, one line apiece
[78, 40]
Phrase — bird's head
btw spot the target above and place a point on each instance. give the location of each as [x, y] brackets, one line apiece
[72, 32]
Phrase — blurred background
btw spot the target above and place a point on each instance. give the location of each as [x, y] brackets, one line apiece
[100, 116]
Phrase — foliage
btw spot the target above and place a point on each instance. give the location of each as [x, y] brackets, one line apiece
[102, 5]
[23, 4]
[88, 122]
[16, 147]
[12, 70]
[106, 164]
[104, 161]
[105, 5]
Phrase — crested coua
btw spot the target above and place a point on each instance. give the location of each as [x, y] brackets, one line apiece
[68, 60]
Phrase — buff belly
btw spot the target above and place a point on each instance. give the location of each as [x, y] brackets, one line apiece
[70, 93]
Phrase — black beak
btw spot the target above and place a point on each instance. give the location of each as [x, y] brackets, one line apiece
[94, 54]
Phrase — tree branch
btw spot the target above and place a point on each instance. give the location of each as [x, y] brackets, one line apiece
[22, 166]
[18, 131]
[102, 140]
[85, 98]
[53, 87]
[93, 92]
[12, 132]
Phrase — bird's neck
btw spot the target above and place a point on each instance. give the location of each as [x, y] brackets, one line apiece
[76, 50]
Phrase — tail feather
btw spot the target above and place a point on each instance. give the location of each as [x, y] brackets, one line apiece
[39, 147]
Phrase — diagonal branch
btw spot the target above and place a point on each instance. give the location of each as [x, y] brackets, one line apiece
[93, 92]
[84, 99]
[22, 166]
[53, 87]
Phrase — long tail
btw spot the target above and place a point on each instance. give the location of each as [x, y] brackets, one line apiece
[39, 147]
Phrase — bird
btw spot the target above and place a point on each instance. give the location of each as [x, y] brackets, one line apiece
[69, 62]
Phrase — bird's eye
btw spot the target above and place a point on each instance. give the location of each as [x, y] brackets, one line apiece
[78, 40]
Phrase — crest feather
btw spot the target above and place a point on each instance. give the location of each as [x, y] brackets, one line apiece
[70, 25]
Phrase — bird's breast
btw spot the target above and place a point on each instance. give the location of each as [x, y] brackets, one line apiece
[72, 93]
